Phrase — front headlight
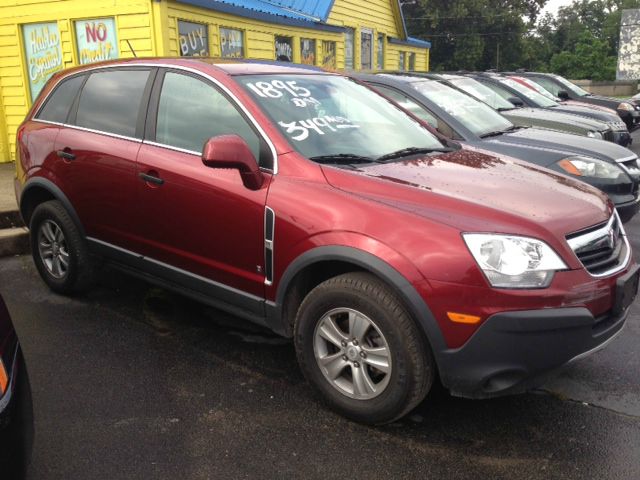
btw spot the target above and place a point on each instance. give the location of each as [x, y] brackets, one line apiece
[594, 134]
[626, 106]
[510, 261]
[590, 167]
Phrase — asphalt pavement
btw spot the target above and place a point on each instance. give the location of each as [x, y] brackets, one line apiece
[132, 382]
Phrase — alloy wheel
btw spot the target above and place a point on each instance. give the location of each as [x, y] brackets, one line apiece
[53, 250]
[352, 353]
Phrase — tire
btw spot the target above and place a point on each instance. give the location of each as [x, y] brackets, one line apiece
[53, 233]
[380, 377]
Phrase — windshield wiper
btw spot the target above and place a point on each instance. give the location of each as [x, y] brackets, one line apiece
[505, 109]
[405, 152]
[342, 159]
[492, 134]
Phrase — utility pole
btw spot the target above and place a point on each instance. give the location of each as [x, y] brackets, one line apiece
[498, 57]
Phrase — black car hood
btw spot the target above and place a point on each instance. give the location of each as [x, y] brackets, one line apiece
[587, 111]
[550, 146]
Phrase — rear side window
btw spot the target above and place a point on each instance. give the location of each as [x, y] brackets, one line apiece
[57, 106]
[191, 111]
[110, 101]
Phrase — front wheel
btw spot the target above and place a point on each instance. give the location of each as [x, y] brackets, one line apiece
[360, 348]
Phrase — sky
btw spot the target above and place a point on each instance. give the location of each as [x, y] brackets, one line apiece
[552, 6]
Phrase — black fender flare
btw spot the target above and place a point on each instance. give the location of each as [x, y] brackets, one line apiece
[408, 294]
[58, 194]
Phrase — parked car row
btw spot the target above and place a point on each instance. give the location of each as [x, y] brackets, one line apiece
[400, 232]
[459, 116]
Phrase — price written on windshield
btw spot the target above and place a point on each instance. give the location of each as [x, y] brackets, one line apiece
[299, 130]
[276, 89]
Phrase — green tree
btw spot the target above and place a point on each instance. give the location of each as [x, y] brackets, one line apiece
[473, 34]
[590, 59]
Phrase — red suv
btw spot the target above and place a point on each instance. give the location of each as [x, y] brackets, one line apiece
[305, 202]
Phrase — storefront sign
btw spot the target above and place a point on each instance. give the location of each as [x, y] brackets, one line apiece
[328, 54]
[284, 49]
[96, 40]
[308, 51]
[43, 54]
[194, 39]
[231, 43]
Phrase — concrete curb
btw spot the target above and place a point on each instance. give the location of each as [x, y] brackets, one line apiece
[14, 241]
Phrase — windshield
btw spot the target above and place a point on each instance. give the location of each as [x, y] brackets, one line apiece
[474, 115]
[571, 86]
[539, 100]
[482, 93]
[537, 87]
[324, 115]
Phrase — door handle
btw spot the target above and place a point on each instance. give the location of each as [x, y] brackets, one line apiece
[66, 155]
[151, 179]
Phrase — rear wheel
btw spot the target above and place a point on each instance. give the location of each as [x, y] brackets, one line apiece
[359, 347]
[59, 250]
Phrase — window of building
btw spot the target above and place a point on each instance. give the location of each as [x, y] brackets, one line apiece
[284, 49]
[329, 54]
[412, 62]
[110, 101]
[366, 49]
[401, 63]
[231, 43]
[307, 51]
[59, 102]
[191, 111]
[381, 40]
[193, 39]
[349, 50]
[96, 40]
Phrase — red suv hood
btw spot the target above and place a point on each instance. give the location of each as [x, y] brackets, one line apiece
[477, 192]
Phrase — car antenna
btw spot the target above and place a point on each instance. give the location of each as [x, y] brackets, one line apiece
[131, 48]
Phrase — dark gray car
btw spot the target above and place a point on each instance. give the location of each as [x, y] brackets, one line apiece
[500, 97]
[605, 165]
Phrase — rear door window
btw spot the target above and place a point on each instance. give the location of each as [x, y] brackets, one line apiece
[191, 111]
[57, 106]
[110, 101]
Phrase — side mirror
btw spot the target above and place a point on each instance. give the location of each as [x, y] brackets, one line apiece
[563, 95]
[516, 102]
[231, 151]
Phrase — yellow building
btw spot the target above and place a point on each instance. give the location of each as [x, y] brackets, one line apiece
[40, 37]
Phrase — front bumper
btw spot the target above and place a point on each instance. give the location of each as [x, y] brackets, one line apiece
[512, 350]
[621, 137]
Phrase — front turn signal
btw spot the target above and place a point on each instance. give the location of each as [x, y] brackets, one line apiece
[463, 318]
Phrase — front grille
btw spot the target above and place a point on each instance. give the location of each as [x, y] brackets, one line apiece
[618, 126]
[602, 249]
[609, 136]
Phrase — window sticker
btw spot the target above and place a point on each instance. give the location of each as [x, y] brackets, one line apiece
[43, 54]
[284, 49]
[193, 39]
[96, 40]
[329, 54]
[231, 43]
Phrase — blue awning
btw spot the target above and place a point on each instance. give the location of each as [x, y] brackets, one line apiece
[410, 42]
[264, 11]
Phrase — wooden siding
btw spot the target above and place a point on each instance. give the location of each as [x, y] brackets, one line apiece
[259, 37]
[151, 28]
[133, 23]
